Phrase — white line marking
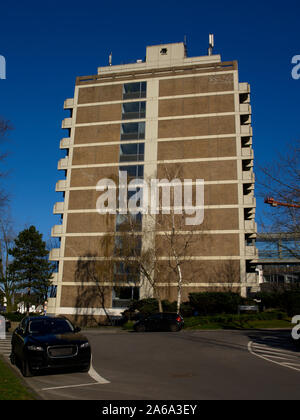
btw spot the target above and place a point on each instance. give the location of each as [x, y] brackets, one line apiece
[268, 348]
[274, 352]
[93, 374]
[70, 386]
[268, 360]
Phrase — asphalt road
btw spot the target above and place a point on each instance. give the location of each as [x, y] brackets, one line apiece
[188, 365]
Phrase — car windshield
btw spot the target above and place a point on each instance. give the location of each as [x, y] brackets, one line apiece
[50, 326]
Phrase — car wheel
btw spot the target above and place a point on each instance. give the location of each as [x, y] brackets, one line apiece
[140, 328]
[25, 369]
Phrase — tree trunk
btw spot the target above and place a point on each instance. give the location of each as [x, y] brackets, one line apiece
[160, 308]
[28, 302]
[179, 288]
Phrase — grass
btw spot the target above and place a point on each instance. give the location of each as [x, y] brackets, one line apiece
[241, 325]
[11, 387]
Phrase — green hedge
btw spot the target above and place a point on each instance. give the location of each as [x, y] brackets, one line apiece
[210, 303]
[287, 301]
[231, 318]
[15, 316]
[207, 303]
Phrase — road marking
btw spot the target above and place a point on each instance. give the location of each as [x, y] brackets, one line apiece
[275, 352]
[5, 345]
[268, 358]
[92, 373]
[70, 386]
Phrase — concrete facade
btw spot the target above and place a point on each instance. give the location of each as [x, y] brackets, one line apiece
[195, 115]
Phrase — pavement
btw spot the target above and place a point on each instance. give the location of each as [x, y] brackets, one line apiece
[186, 365]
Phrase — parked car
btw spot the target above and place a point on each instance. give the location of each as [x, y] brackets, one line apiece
[163, 321]
[44, 342]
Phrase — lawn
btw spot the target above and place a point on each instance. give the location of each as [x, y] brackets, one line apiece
[11, 387]
[243, 325]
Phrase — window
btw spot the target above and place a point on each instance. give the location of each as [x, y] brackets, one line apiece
[133, 131]
[123, 223]
[128, 246]
[134, 171]
[131, 152]
[134, 90]
[133, 110]
[52, 292]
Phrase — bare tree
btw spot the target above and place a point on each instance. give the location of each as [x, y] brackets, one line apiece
[98, 272]
[228, 273]
[167, 242]
[280, 181]
[140, 261]
[8, 283]
[5, 127]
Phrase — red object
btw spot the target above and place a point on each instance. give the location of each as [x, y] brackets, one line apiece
[274, 203]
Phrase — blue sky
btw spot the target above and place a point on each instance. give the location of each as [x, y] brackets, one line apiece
[47, 44]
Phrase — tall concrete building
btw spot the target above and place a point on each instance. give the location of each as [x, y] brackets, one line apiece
[149, 118]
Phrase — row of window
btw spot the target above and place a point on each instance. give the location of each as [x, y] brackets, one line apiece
[130, 152]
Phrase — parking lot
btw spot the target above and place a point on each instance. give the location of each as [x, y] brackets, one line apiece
[196, 365]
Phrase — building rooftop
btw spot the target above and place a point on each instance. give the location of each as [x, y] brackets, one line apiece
[159, 56]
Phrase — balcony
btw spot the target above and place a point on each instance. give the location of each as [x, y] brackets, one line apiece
[247, 152]
[251, 277]
[66, 123]
[249, 201]
[250, 226]
[248, 176]
[61, 185]
[54, 254]
[57, 230]
[251, 251]
[59, 207]
[246, 130]
[245, 108]
[51, 305]
[69, 103]
[65, 143]
[63, 163]
[244, 87]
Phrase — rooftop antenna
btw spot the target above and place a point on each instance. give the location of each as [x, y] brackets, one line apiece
[185, 46]
[110, 59]
[211, 42]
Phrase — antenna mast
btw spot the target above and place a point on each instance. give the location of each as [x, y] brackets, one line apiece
[211, 42]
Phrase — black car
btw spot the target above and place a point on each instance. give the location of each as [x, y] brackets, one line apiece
[46, 342]
[163, 321]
